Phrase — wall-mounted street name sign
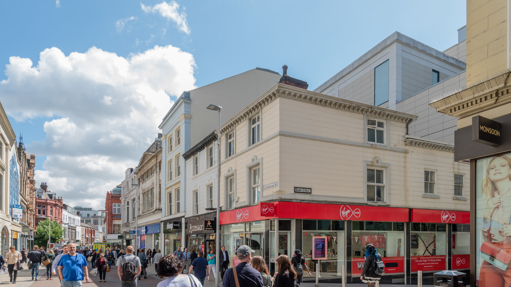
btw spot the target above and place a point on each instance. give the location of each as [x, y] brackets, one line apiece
[307, 190]
[486, 131]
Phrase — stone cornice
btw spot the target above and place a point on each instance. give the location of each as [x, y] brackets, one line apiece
[477, 98]
[298, 94]
[6, 126]
[428, 144]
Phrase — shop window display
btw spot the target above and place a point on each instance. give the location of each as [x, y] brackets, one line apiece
[284, 239]
[428, 247]
[387, 237]
[233, 236]
[460, 246]
[334, 232]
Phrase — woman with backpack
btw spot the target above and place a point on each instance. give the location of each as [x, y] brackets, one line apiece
[298, 263]
[369, 272]
[286, 276]
[258, 264]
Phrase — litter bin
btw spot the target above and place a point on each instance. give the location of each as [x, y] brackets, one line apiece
[449, 278]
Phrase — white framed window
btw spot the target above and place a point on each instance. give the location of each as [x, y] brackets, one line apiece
[178, 200]
[210, 156]
[128, 219]
[376, 131]
[209, 196]
[195, 202]
[458, 184]
[178, 136]
[195, 164]
[169, 170]
[230, 144]
[255, 184]
[255, 129]
[375, 185]
[429, 181]
[230, 192]
[169, 144]
[170, 205]
[116, 208]
[178, 166]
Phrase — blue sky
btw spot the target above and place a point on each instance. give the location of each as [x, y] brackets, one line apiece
[204, 41]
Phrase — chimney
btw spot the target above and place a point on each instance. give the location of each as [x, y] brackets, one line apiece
[285, 79]
[44, 186]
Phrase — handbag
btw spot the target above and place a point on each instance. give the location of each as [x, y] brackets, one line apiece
[496, 254]
[47, 261]
[107, 268]
[29, 264]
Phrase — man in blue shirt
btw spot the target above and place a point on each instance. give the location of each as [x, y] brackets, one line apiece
[186, 259]
[199, 264]
[73, 268]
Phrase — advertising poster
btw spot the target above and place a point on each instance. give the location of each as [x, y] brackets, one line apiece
[393, 265]
[493, 221]
[319, 248]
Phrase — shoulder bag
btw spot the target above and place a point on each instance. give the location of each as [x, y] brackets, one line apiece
[235, 273]
[47, 261]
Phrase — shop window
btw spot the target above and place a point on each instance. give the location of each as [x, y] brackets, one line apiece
[429, 181]
[376, 131]
[284, 225]
[310, 225]
[358, 225]
[323, 224]
[428, 247]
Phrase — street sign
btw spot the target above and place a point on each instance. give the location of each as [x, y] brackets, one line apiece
[17, 211]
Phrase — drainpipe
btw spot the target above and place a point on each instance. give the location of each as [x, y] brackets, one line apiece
[408, 124]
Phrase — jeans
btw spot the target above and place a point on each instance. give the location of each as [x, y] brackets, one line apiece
[211, 270]
[143, 272]
[156, 268]
[48, 270]
[102, 273]
[129, 283]
[65, 283]
[201, 279]
[11, 270]
[35, 270]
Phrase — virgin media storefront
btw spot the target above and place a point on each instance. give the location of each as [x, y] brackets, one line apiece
[408, 239]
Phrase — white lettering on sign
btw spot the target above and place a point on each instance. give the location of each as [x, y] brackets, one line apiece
[265, 209]
[195, 228]
[460, 261]
[446, 216]
[360, 265]
[347, 212]
[241, 214]
[170, 226]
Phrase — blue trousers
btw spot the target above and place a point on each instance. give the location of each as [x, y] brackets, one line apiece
[35, 269]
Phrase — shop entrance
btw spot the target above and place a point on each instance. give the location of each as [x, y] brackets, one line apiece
[210, 245]
[255, 241]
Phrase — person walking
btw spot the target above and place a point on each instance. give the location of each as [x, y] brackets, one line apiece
[298, 264]
[178, 254]
[170, 267]
[199, 267]
[211, 264]
[23, 256]
[157, 258]
[12, 257]
[35, 256]
[286, 276]
[186, 260]
[94, 257]
[55, 264]
[224, 262]
[369, 275]
[73, 268]
[128, 268]
[101, 264]
[259, 265]
[246, 274]
[149, 256]
[193, 255]
[143, 262]
[51, 256]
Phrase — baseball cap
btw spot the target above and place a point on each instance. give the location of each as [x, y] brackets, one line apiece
[244, 250]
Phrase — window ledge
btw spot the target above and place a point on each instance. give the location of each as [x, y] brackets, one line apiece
[457, 197]
[430, 195]
[374, 203]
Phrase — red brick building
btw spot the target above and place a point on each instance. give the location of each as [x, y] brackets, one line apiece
[47, 205]
[88, 234]
[113, 211]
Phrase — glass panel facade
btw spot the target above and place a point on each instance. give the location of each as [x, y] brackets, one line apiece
[381, 84]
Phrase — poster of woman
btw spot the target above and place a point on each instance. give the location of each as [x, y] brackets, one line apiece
[493, 223]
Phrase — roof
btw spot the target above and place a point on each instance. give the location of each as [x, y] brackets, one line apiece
[201, 145]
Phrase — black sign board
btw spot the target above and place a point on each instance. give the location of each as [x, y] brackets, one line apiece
[209, 225]
[306, 190]
[172, 226]
[197, 224]
[486, 131]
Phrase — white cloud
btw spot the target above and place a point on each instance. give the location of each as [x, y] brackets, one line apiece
[106, 111]
[121, 23]
[57, 3]
[169, 11]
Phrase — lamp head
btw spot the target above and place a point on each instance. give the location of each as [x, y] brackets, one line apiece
[214, 107]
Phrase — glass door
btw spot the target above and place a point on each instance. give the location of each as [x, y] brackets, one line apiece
[256, 243]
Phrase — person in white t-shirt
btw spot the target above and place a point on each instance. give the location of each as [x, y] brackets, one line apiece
[170, 266]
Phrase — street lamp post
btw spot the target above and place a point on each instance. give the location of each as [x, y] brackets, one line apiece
[136, 217]
[217, 233]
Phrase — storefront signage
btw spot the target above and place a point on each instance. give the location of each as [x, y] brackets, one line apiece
[461, 261]
[428, 263]
[306, 190]
[319, 248]
[268, 209]
[251, 213]
[139, 231]
[14, 235]
[486, 131]
[210, 225]
[17, 211]
[270, 185]
[153, 229]
[171, 225]
[393, 265]
[198, 224]
[440, 216]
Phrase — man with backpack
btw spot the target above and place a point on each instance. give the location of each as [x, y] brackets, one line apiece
[373, 267]
[128, 268]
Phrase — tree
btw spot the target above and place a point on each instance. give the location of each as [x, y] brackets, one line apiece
[41, 237]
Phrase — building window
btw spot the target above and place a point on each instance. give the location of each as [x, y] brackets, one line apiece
[127, 211]
[117, 228]
[178, 166]
[436, 76]
[178, 200]
[195, 164]
[429, 181]
[170, 206]
[51, 210]
[169, 141]
[376, 131]
[230, 192]
[458, 184]
[196, 202]
[148, 198]
[255, 129]
[41, 210]
[209, 196]
[375, 185]
[169, 170]
[381, 84]
[230, 144]
[255, 182]
[178, 137]
[210, 156]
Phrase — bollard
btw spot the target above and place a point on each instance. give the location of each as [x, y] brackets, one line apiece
[377, 284]
[317, 274]
[419, 279]
[343, 275]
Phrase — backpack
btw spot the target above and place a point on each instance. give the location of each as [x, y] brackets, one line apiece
[297, 266]
[379, 268]
[128, 269]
